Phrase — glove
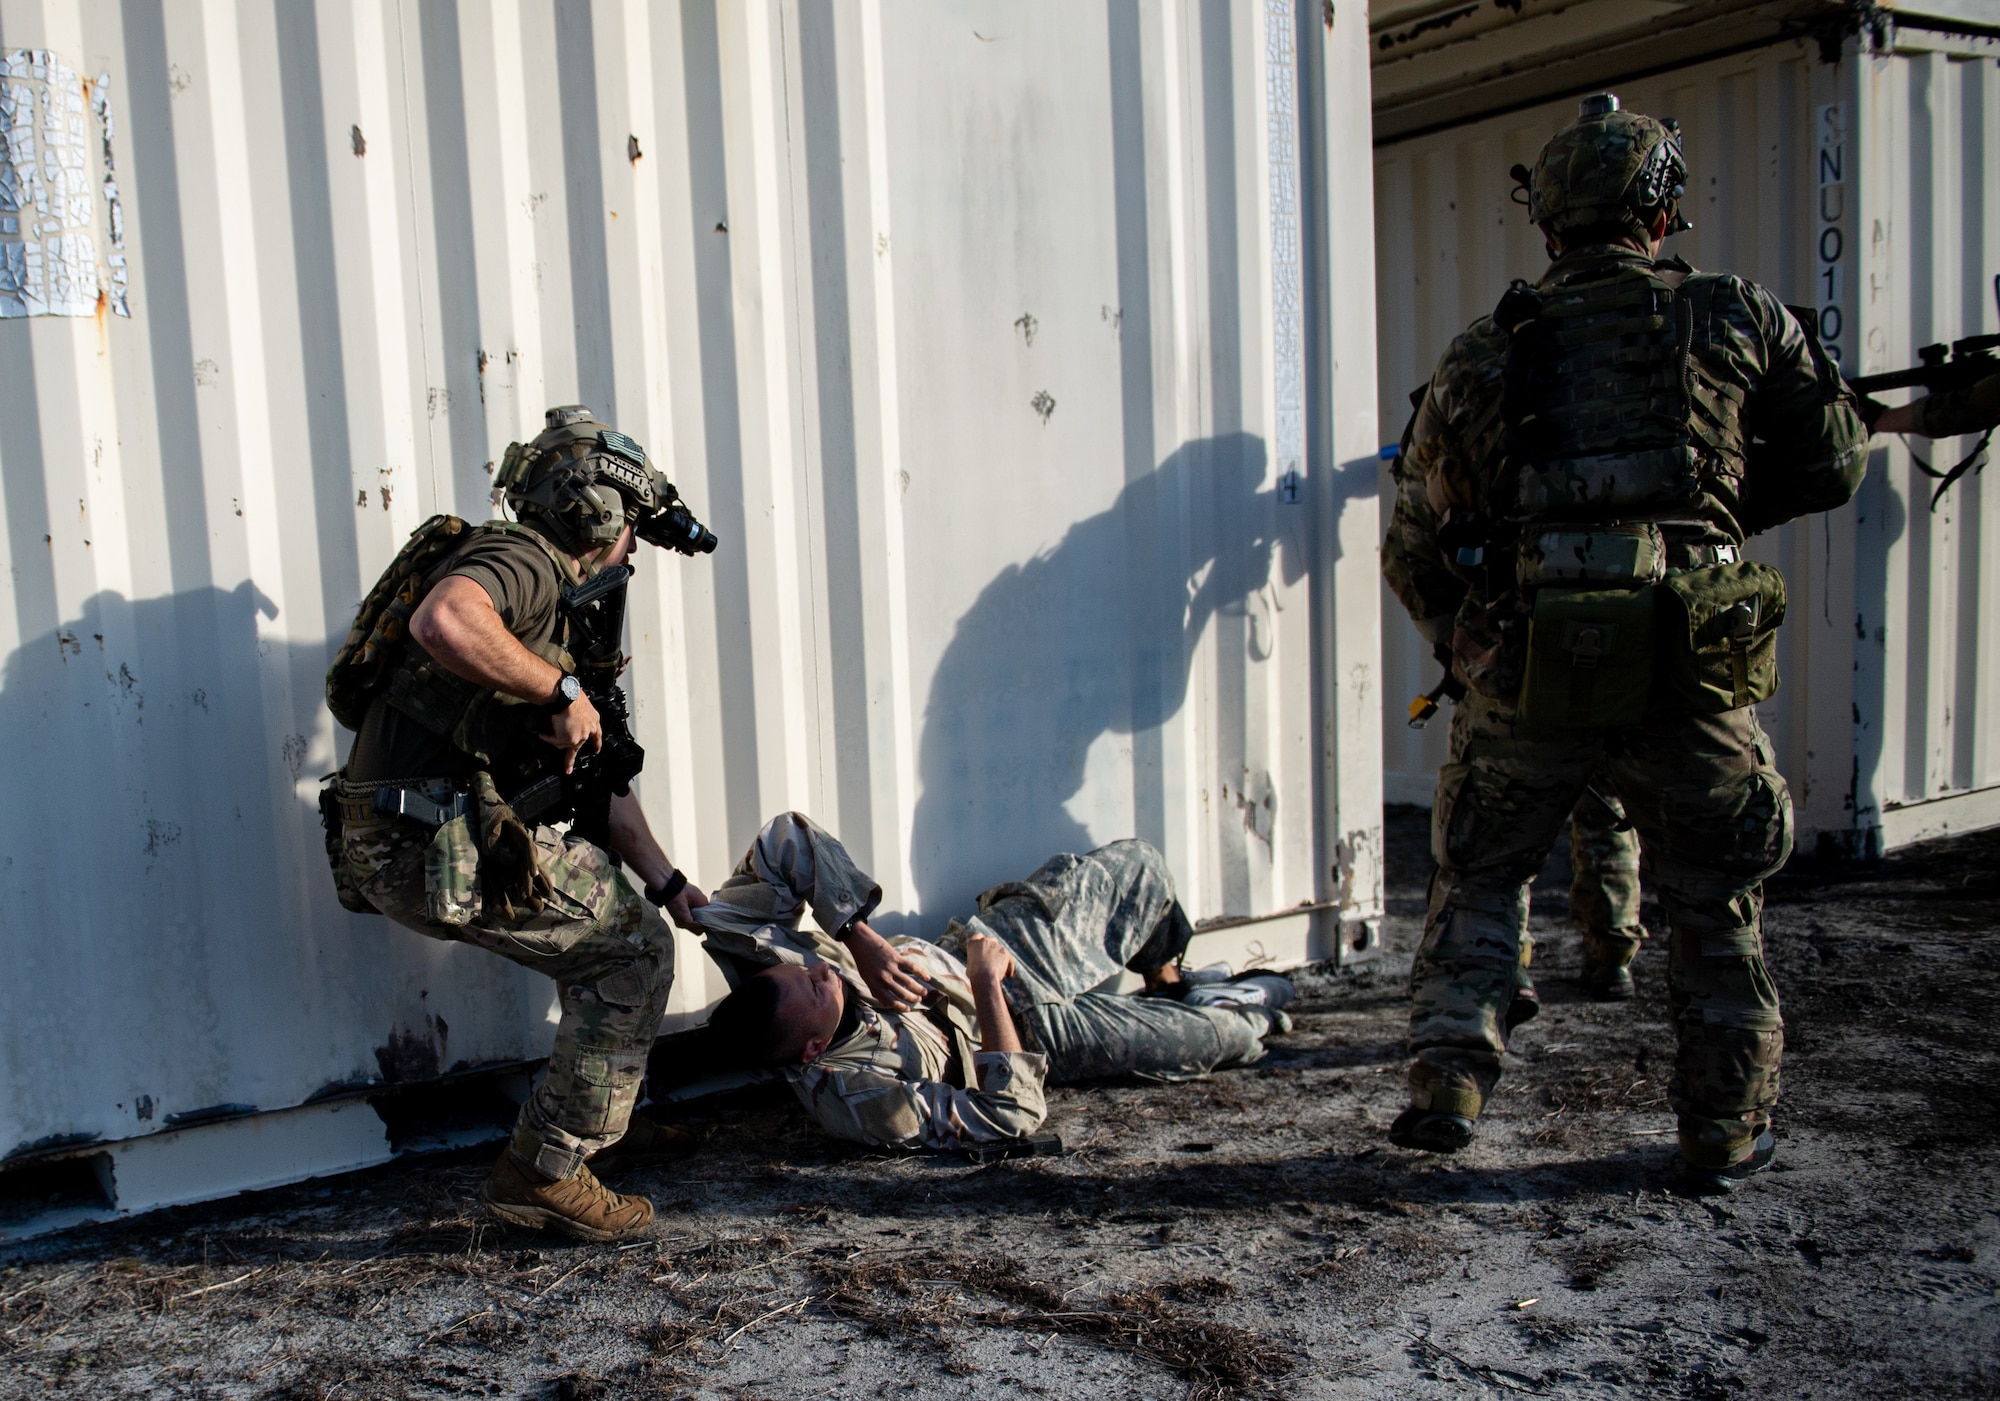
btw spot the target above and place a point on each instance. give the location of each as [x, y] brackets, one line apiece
[511, 879]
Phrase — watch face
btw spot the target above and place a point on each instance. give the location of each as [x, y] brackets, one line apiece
[571, 688]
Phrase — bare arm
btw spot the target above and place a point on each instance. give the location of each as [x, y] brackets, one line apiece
[458, 624]
[632, 840]
[987, 964]
[894, 978]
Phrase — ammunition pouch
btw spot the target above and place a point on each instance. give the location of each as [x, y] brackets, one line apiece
[1590, 659]
[451, 873]
[1719, 635]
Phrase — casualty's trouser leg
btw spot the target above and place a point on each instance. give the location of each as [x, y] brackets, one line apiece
[1103, 1036]
[1604, 882]
[1500, 802]
[612, 958]
[1080, 921]
[1716, 819]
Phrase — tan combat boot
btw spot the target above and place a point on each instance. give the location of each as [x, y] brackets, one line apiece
[579, 1205]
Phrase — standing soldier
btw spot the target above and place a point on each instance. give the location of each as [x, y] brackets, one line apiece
[1583, 472]
[480, 679]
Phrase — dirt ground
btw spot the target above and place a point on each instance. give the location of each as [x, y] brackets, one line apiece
[1251, 1235]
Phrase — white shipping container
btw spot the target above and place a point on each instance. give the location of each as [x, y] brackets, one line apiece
[1009, 349]
[1868, 190]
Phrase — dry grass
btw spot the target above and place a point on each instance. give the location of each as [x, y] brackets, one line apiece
[916, 1296]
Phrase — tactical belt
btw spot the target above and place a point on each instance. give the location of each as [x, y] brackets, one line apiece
[431, 801]
[1682, 559]
[436, 801]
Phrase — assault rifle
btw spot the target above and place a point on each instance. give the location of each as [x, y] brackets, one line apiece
[595, 610]
[1940, 370]
[608, 773]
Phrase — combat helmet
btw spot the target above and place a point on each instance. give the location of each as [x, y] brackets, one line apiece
[580, 482]
[1608, 167]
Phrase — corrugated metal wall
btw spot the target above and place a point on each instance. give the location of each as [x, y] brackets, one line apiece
[983, 334]
[1871, 191]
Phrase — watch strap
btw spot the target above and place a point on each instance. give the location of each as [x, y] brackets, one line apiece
[667, 889]
[563, 701]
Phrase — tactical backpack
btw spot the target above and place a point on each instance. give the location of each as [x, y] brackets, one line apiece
[361, 667]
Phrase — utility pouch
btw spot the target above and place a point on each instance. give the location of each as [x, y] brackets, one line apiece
[334, 829]
[1590, 659]
[1625, 556]
[451, 873]
[1719, 635]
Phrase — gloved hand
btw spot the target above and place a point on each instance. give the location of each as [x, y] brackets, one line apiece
[511, 879]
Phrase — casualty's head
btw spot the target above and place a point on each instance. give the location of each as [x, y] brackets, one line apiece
[785, 1015]
[1609, 176]
[581, 483]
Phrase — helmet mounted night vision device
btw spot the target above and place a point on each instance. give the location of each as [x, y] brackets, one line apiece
[582, 482]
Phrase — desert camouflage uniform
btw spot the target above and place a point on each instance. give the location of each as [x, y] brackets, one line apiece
[610, 953]
[898, 1079]
[1709, 805]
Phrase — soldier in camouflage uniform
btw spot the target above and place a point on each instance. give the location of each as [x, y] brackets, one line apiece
[1583, 472]
[428, 840]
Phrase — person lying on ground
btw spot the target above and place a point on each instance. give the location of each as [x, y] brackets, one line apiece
[899, 1042]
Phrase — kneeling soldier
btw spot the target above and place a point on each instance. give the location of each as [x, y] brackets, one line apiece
[480, 679]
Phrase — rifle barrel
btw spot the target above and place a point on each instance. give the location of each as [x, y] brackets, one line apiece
[1952, 374]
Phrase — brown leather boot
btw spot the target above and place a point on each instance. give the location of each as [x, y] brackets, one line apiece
[579, 1205]
[649, 1141]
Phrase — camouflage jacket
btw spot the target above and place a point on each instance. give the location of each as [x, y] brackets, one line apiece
[889, 1081]
[1972, 409]
[1763, 400]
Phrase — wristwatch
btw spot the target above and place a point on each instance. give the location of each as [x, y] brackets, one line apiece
[567, 691]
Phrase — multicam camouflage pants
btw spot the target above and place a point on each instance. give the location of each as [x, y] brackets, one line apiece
[1715, 818]
[1078, 923]
[1604, 880]
[1603, 886]
[610, 953]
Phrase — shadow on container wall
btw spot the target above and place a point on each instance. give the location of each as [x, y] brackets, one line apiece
[1094, 637]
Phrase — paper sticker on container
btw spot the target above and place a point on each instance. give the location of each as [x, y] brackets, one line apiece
[57, 192]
